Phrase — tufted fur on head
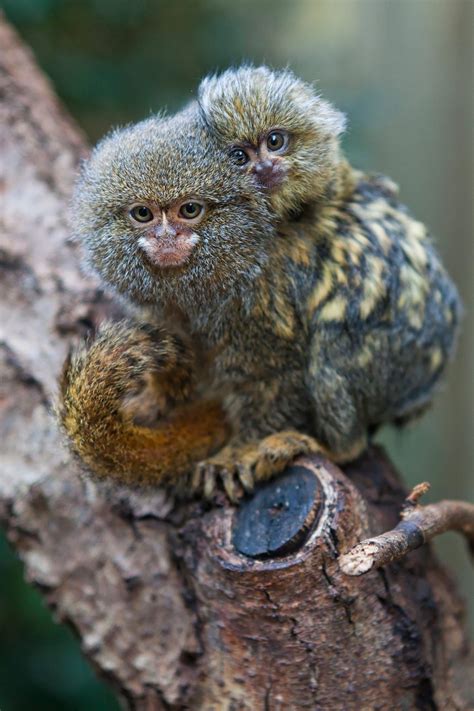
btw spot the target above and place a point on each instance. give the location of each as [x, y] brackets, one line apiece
[242, 105]
[161, 160]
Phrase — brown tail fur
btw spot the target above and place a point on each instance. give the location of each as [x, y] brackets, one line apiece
[111, 390]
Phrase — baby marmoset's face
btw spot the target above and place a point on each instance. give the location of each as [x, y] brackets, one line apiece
[161, 211]
[275, 126]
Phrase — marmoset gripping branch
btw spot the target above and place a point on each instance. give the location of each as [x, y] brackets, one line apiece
[321, 305]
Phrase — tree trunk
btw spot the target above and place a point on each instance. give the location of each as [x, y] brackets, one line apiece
[186, 607]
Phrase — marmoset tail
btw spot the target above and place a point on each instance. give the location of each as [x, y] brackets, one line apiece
[126, 404]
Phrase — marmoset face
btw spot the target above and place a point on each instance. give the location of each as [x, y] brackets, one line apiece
[167, 232]
[276, 127]
[162, 213]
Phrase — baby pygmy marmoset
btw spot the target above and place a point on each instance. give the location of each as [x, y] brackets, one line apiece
[322, 304]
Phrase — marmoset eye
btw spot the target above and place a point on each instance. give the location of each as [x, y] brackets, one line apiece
[141, 213]
[239, 156]
[191, 210]
[276, 140]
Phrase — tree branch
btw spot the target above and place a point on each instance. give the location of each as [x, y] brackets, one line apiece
[418, 526]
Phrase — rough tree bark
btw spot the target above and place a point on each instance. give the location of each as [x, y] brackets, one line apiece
[166, 603]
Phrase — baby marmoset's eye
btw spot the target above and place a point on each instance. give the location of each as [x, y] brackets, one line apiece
[277, 140]
[141, 213]
[191, 210]
[239, 156]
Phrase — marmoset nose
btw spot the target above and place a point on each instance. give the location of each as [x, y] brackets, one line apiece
[269, 173]
[165, 229]
[264, 169]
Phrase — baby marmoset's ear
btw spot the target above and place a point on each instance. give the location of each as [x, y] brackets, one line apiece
[324, 116]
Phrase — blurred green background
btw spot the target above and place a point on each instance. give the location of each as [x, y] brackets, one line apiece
[402, 70]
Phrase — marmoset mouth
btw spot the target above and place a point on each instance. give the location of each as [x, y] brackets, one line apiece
[172, 260]
[272, 179]
[169, 258]
[168, 253]
[275, 180]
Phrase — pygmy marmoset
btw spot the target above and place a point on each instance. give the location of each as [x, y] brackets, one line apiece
[320, 304]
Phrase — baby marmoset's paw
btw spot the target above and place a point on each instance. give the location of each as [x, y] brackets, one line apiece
[238, 467]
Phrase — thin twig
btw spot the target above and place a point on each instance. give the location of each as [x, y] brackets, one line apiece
[419, 525]
[416, 493]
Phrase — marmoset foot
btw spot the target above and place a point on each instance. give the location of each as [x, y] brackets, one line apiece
[238, 468]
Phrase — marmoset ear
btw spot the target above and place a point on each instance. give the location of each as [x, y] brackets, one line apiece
[324, 116]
